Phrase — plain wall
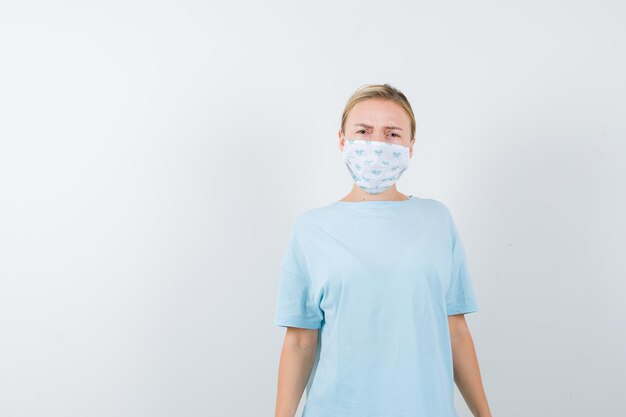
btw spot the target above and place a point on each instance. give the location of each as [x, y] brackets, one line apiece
[154, 155]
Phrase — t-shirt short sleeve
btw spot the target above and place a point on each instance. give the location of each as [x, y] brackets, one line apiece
[297, 302]
[460, 296]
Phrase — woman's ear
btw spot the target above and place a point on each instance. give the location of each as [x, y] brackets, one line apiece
[341, 140]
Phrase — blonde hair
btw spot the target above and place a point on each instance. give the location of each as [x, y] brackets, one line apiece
[384, 91]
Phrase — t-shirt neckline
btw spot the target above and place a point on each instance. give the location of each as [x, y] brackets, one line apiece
[375, 202]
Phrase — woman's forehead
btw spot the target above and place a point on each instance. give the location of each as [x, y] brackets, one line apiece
[378, 113]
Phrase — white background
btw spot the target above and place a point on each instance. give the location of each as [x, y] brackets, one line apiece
[153, 157]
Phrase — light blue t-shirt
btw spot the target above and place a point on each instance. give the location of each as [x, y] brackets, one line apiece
[378, 278]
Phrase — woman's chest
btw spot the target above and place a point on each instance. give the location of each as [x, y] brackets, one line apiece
[369, 265]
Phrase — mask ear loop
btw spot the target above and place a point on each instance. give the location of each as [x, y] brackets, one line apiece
[345, 141]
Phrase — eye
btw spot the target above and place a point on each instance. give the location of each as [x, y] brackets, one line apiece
[393, 133]
[359, 131]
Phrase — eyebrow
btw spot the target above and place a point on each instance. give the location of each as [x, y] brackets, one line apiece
[386, 127]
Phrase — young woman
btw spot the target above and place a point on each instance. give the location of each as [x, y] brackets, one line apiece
[373, 288]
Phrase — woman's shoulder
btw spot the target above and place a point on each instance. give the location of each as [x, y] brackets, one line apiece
[434, 204]
[314, 215]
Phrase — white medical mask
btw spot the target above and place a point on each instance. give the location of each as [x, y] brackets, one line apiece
[374, 165]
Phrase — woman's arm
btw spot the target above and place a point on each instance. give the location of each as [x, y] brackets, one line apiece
[296, 362]
[466, 369]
